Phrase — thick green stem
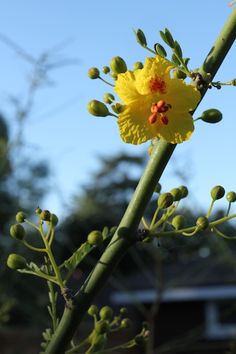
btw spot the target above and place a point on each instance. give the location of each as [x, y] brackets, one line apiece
[125, 235]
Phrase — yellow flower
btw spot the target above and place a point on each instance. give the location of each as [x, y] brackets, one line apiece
[155, 104]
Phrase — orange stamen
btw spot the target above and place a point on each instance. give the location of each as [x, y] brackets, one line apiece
[157, 85]
[164, 119]
[152, 118]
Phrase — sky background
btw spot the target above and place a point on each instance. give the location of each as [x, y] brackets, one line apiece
[60, 128]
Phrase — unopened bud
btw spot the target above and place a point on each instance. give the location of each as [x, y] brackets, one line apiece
[165, 200]
[106, 313]
[178, 222]
[118, 108]
[16, 261]
[20, 216]
[231, 197]
[95, 238]
[177, 195]
[217, 192]
[93, 310]
[126, 323]
[212, 116]
[138, 65]
[17, 231]
[118, 65]
[106, 69]
[184, 191]
[93, 73]
[140, 37]
[202, 223]
[54, 219]
[157, 188]
[45, 215]
[38, 211]
[108, 98]
[98, 109]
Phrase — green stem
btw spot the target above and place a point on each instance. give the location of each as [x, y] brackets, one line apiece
[125, 234]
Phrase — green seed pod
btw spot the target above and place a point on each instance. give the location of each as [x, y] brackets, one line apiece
[17, 231]
[179, 74]
[118, 65]
[217, 192]
[102, 327]
[140, 37]
[54, 219]
[108, 98]
[45, 215]
[20, 216]
[106, 69]
[126, 323]
[138, 65]
[95, 238]
[184, 191]
[98, 109]
[212, 116]
[165, 200]
[93, 73]
[93, 310]
[16, 261]
[231, 197]
[176, 193]
[106, 313]
[178, 222]
[202, 223]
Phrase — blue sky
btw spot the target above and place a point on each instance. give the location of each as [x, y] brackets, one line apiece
[61, 130]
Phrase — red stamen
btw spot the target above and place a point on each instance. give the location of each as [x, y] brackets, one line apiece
[164, 119]
[152, 118]
[157, 85]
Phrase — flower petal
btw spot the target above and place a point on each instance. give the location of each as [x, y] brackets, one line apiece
[125, 87]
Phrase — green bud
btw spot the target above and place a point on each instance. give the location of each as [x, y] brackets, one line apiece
[38, 211]
[108, 98]
[179, 74]
[202, 223]
[20, 216]
[45, 215]
[95, 238]
[157, 188]
[178, 222]
[106, 313]
[231, 197]
[176, 193]
[165, 200]
[118, 108]
[54, 219]
[17, 231]
[140, 37]
[138, 65]
[123, 311]
[16, 261]
[93, 310]
[212, 116]
[98, 109]
[93, 73]
[102, 327]
[118, 65]
[106, 69]
[184, 191]
[217, 192]
[126, 323]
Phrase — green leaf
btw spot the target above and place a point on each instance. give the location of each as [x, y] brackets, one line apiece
[105, 232]
[160, 50]
[169, 38]
[178, 50]
[72, 262]
[175, 59]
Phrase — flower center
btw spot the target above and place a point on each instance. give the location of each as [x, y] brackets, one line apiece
[157, 84]
[158, 109]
